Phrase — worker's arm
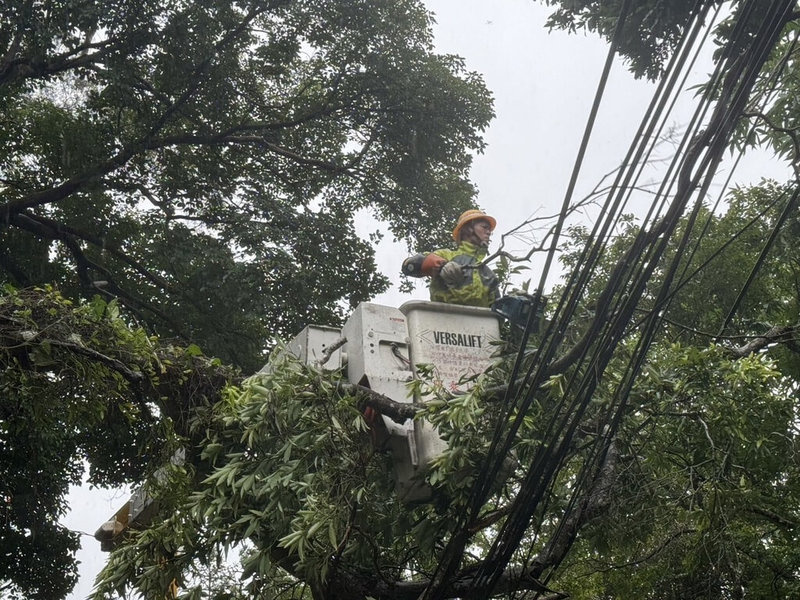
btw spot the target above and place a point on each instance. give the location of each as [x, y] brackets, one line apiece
[423, 265]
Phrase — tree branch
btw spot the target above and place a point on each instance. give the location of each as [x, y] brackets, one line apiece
[777, 334]
[134, 377]
[73, 184]
[357, 586]
[596, 501]
[50, 229]
[12, 69]
[209, 139]
[773, 517]
[54, 230]
[397, 411]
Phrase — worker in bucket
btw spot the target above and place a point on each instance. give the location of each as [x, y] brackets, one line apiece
[457, 276]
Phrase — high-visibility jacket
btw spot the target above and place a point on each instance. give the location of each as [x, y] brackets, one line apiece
[479, 286]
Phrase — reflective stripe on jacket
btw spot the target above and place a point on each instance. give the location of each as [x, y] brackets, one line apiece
[479, 286]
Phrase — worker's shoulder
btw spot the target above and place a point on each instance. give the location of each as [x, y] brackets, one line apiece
[447, 253]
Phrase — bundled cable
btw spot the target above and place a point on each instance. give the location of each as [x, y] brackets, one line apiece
[757, 29]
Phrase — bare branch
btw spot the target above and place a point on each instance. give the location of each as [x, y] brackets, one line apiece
[397, 411]
[599, 190]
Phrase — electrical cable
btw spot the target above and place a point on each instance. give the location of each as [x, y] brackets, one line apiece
[582, 357]
[686, 183]
[623, 294]
[666, 85]
[568, 195]
[454, 549]
[647, 337]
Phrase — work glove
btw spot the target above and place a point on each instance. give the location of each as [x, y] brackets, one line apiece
[452, 274]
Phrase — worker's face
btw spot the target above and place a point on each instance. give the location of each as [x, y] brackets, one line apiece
[478, 232]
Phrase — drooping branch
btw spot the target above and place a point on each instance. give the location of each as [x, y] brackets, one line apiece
[133, 377]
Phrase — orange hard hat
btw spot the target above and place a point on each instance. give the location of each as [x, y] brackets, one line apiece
[471, 215]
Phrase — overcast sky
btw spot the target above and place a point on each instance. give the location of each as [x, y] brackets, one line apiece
[543, 85]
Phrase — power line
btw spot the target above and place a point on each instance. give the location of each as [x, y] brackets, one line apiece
[700, 155]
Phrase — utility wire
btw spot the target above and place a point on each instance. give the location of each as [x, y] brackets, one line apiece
[723, 118]
[451, 557]
[731, 85]
[586, 271]
[768, 36]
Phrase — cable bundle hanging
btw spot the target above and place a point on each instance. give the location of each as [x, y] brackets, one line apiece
[756, 31]
[736, 76]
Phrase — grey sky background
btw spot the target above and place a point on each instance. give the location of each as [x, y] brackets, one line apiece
[543, 86]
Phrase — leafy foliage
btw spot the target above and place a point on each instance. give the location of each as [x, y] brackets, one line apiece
[650, 33]
[706, 467]
[287, 469]
[199, 166]
[202, 162]
[698, 498]
[158, 169]
[289, 466]
[79, 386]
[703, 476]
